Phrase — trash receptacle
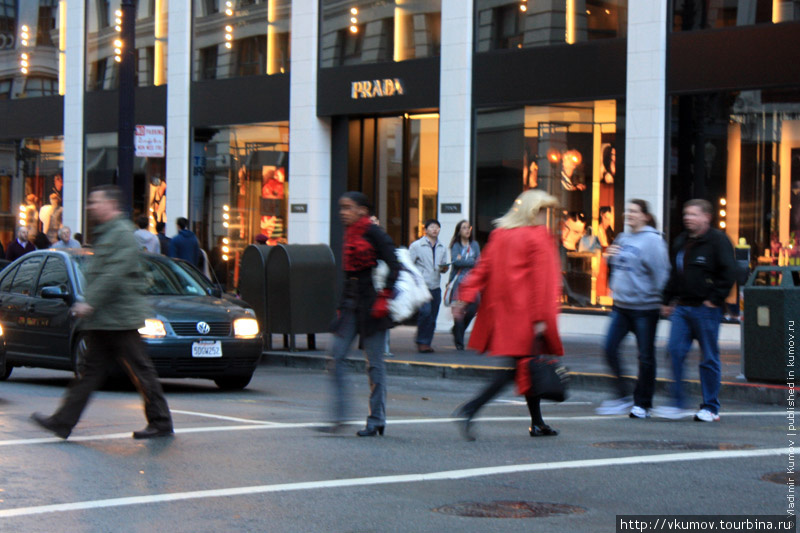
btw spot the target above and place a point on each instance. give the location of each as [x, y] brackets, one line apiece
[301, 283]
[253, 280]
[771, 307]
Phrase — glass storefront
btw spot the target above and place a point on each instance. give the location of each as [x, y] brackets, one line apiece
[568, 150]
[234, 38]
[710, 14]
[31, 186]
[741, 151]
[512, 24]
[103, 37]
[395, 162]
[356, 32]
[239, 193]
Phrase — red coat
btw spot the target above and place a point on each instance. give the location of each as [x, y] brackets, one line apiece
[518, 277]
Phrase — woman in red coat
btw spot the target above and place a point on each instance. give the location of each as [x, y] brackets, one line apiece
[519, 280]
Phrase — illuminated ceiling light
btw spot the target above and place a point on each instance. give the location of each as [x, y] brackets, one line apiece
[118, 59]
[722, 213]
[224, 224]
[722, 224]
[354, 20]
[723, 201]
[118, 13]
[228, 46]
[354, 11]
[22, 208]
[225, 249]
[229, 12]
[353, 29]
[228, 37]
[225, 240]
[523, 7]
[226, 216]
[224, 257]
[226, 208]
[229, 28]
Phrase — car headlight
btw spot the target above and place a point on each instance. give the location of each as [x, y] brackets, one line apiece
[245, 327]
[153, 328]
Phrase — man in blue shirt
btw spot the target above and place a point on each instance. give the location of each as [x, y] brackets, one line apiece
[184, 245]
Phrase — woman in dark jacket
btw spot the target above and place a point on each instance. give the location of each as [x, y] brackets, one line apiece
[362, 311]
[465, 253]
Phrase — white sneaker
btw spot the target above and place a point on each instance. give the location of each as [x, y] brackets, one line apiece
[619, 406]
[704, 415]
[672, 413]
[639, 412]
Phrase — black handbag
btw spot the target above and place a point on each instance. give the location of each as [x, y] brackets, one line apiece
[542, 376]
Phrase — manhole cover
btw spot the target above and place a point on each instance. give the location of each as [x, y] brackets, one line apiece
[508, 509]
[670, 445]
[781, 478]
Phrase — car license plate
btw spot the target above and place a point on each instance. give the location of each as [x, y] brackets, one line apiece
[207, 349]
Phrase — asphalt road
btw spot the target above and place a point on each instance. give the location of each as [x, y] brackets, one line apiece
[250, 461]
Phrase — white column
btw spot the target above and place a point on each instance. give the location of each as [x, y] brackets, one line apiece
[179, 80]
[73, 117]
[309, 136]
[645, 111]
[455, 122]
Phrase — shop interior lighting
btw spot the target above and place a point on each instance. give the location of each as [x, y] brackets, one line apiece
[118, 42]
[723, 213]
[354, 20]
[118, 20]
[553, 155]
[523, 5]
[229, 8]
[229, 27]
[723, 201]
[24, 35]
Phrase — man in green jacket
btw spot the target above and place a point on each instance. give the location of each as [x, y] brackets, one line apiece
[114, 309]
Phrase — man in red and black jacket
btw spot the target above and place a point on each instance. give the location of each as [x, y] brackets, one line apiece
[703, 272]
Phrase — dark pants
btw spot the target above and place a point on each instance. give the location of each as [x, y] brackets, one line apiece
[426, 323]
[460, 326]
[127, 348]
[643, 325]
[495, 387]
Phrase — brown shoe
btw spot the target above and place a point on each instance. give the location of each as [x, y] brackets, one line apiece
[425, 348]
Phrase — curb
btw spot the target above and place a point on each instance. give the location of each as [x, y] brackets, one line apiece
[761, 393]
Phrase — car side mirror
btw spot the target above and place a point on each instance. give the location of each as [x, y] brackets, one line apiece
[55, 292]
[215, 291]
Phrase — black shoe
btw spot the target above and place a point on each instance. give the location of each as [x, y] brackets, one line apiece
[542, 431]
[151, 432]
[47, 423]
[464, 424]
[425, 348]
[371, 432]
[459, 347]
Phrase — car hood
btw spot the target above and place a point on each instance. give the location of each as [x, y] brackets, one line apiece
[189, 308]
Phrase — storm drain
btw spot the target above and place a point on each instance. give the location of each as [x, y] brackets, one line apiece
[501, 509]
[670, 445]
[781, 478]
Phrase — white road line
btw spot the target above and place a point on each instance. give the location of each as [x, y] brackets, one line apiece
[220, 417]
[522, 402]
[393, 422]
[387, 480]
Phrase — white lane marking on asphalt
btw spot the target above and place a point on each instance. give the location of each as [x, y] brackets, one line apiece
[220, 417]
[521, 402]
[300, 425]
[388, 480]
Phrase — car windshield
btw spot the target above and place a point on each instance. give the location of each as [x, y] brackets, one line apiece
[163, 277]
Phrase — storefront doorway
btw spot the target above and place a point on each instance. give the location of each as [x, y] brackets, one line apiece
[395, 162]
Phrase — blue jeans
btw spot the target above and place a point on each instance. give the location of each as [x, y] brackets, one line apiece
[426, 323]
[376, 371]
[701, 323]
[643, 325]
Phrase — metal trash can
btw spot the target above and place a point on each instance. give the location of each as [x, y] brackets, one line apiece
[253, 280]
[301, 284]
[771, 310]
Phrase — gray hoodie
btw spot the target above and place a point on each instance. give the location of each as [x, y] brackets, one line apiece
[640, 270]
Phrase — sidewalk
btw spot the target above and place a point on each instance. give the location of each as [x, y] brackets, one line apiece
[584, 357]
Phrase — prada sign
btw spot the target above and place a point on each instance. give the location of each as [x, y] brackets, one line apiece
[376, 88]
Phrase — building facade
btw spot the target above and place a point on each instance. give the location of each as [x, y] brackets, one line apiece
[253, 116]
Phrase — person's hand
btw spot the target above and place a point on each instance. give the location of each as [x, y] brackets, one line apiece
[459, 310]
[81, 309]
[443, 268]
[708, 303]
[380, 309]
[666, 310]
[613, 250]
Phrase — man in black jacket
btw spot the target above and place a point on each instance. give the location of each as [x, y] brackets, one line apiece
[703, 272]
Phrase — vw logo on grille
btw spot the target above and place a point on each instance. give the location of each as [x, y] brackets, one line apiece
[203, 328]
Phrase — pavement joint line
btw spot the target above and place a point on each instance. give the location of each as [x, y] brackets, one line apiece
[447, 475]
[221, 417]
[311, 425]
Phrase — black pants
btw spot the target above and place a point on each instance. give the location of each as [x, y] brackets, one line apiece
[495, 387]
[460, 326]
[127, 348]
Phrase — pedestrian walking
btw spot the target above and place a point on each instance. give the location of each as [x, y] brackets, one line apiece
[147, 240]
[464, 252]
[163, 240]
[639, 263]
[703, 272]
[430, 258]
[20, 245]
[519, 280]
[185, 245]
[362, 311]
[114, 309]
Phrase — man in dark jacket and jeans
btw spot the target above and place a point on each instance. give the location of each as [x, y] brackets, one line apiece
[703, 272]
[114, 309]
[184, 245]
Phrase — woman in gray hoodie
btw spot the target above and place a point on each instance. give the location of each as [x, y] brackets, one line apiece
[639, 263]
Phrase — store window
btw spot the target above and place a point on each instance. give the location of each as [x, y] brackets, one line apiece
[234, 38]
[376, 31]
[102, 69]
[37, 48]
[710, 14]
[514, 24]
[741, 151]
[570, 151]
[239, 191]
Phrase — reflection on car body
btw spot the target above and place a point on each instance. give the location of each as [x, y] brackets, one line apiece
[191, 333]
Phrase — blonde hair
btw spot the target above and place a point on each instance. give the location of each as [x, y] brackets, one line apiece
[525, 208]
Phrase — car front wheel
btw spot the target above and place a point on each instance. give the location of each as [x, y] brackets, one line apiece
[233, 382]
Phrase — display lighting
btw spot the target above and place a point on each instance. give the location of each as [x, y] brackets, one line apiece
[553, 155]
[24, 35]
[118, 20]
[23, 63]
[723, 201]
[229, 27]
[523, 5]
[23, 215]
[229, 8]
[117, 50]
[118, 42]
[723, 213]
[354, 20]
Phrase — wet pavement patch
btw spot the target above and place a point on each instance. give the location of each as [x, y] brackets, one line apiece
[506, 509]
[670, 445]
[781, 478]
